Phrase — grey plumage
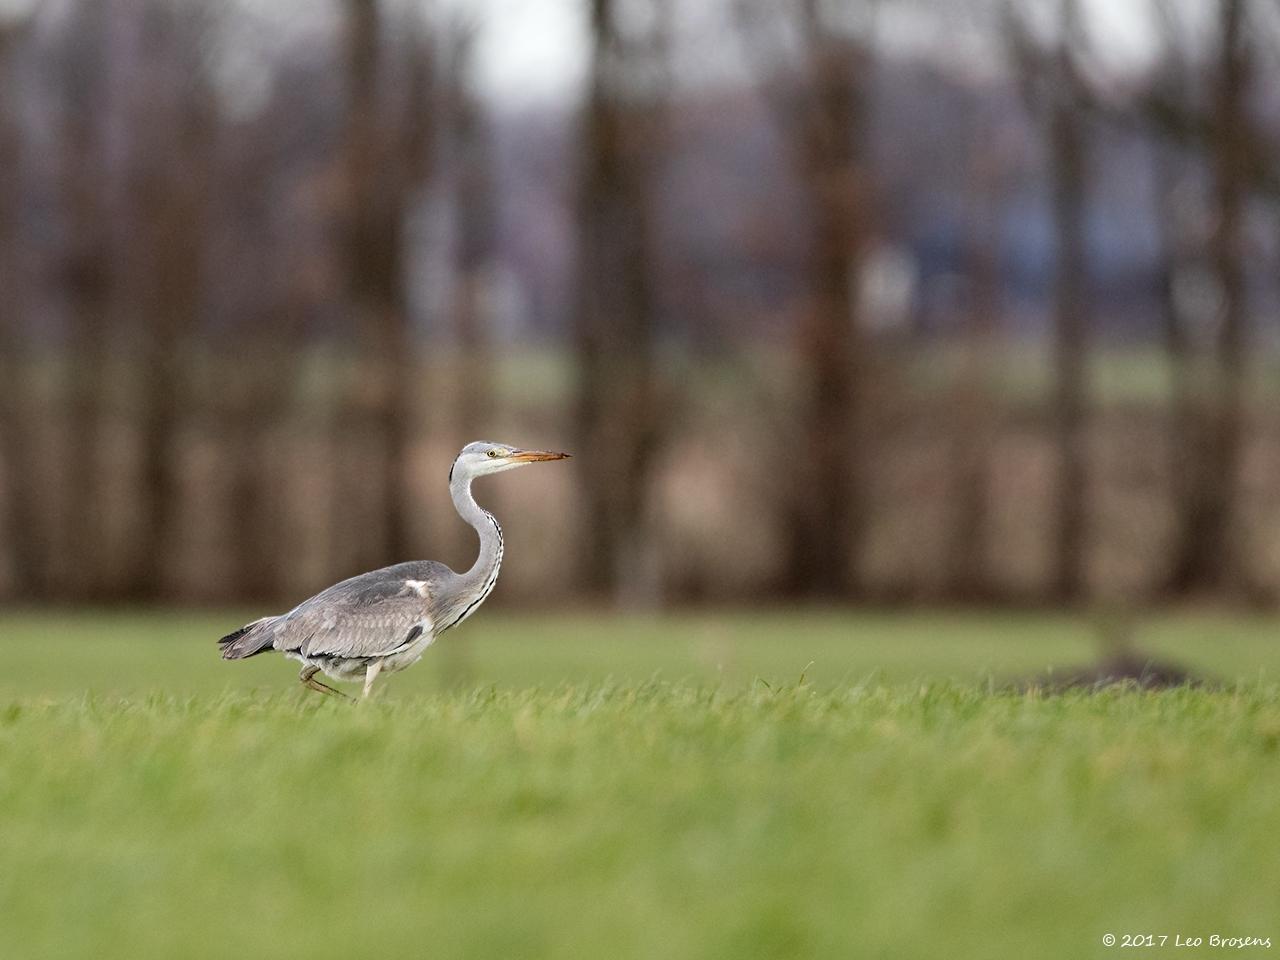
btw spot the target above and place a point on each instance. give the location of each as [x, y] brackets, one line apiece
[359, 617]
[386, 618]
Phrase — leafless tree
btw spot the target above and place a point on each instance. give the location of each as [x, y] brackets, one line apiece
[1176, 259]
[1048, 74]
[1172, 84]
[1206, 554]
[1197, 106]
[87, 268]
[821, 106]
[173, 129]
[385, 155]
[475, 198]
[259, 369]
[617, 413]
[27, 548]
[973, 407]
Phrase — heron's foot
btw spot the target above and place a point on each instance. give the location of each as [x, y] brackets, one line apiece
[308, 679]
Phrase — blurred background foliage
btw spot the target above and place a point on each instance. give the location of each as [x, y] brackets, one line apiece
[873, 300]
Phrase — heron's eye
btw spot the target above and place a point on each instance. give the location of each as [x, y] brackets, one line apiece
[493, 453]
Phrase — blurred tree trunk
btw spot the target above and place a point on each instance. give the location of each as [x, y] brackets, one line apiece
[1069, 176]
[618, 428]
[972, 404]
[366, 425]
[475, 206]
[1185, 415]
[174, 135]
[384, 156]
[828, 511]
[25, 548]
[821, 108]
[259, 377]
[1206, 554]
[1051, 87]
[87, 281]
[1178, 254]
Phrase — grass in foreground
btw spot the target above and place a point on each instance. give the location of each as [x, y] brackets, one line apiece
[638, 820]
[530, 790]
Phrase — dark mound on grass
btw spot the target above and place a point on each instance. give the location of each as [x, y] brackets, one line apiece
[1125, 669]
[1119, 663]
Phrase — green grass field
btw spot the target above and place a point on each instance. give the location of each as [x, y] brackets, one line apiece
[571, 787]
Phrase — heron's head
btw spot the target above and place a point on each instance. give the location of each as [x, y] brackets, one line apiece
[482, 457]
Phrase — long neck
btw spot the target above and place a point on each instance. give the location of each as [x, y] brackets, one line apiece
[479, 580]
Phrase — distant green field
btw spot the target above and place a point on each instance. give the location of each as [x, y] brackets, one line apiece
[506, 798]
[63, 654]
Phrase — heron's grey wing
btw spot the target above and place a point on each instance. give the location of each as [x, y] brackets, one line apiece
[371, 615]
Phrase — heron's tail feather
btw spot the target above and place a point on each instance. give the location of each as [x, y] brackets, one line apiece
[252, 638]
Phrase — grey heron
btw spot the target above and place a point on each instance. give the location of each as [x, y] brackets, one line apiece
[384, 620]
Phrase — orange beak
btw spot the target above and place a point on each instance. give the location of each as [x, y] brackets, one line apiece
[534, 456]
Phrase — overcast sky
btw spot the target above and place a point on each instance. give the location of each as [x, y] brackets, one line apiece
[536, 49]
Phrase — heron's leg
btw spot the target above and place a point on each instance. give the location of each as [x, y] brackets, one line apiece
[308, 679]
[370, 674]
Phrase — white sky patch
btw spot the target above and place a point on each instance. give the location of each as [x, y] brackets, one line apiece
[1122, 33]
[529, 49]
